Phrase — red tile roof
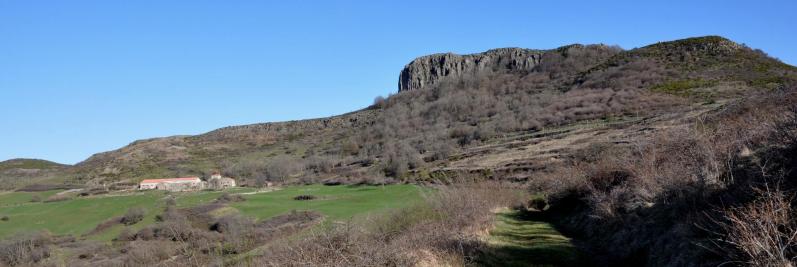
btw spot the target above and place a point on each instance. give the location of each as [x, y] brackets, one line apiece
[147, 181]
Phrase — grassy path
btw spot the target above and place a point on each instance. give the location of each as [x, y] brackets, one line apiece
[520, 239]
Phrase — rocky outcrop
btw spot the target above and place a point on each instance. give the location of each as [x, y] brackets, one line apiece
[428, 70]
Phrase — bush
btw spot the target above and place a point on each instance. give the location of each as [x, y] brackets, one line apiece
[171, 201]
[126, 235]
[538, 204]
[4, 218]
[58, 197]
[171, 214]
[304, 197]
[105, 225]
[332, 182]
[657, 192]
[24, 250]
[227, 197]
[764, 231]
[35, 198]
[133, 216]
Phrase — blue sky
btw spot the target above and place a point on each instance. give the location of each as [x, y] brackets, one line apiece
[81, 77]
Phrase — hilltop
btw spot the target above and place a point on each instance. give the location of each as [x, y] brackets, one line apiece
[30, 164]
[506, 110]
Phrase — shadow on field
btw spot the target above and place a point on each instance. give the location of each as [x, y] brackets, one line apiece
[524, 238]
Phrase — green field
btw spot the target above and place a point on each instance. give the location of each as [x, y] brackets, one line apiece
[18, 198]
[80, 215]
[336, 202]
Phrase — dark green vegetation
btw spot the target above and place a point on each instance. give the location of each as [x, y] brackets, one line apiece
[522, 239]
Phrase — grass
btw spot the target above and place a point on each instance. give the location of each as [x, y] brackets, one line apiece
[191, 199]
[18, 198]
[74, 217]
[682, 87]
[520, 239]
[336, 202]
[80, 215]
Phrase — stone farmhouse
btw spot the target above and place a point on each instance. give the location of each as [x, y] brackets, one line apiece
[173, 184]
[215, 182]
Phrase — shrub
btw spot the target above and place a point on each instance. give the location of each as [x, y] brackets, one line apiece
[141, 253]
[538, 203]
[656, 192]
[26, 249]
[35, 198]
[332, 182]
[379, 102]
[304, 197]
[4, 218]
[105, 225]
[764, 231]
[171, 201]
[58, 197]
[171, 214]
[349, 147]
[319, 164]
[227, 197]
[133, 216]
[126, 235]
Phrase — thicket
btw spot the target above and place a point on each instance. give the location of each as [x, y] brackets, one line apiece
[25, 249]
[716, 191]
[426, 125]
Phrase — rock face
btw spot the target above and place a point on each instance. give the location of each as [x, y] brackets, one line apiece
[428, 70]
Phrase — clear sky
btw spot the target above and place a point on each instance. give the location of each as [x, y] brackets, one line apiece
[81, 77]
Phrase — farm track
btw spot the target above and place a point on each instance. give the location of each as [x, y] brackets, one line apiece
[525, 239]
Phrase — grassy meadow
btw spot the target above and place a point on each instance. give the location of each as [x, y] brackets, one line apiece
[80, 215]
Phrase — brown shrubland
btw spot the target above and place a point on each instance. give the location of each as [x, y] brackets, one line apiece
[687, 186]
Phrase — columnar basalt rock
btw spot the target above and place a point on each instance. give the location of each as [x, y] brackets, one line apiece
[428, 70]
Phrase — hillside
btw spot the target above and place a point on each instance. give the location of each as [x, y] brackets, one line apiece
[679, 153]
[30, 164]
[15, 173]
[509, 110]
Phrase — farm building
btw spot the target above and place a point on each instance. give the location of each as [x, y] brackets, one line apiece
[216, 181]
[173, 184]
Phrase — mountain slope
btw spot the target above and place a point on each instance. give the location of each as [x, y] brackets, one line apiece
[15, 173]
[509, 110]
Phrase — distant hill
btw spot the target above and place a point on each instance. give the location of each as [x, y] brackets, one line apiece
[508, 111]
[31, 164]
[15, 173]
